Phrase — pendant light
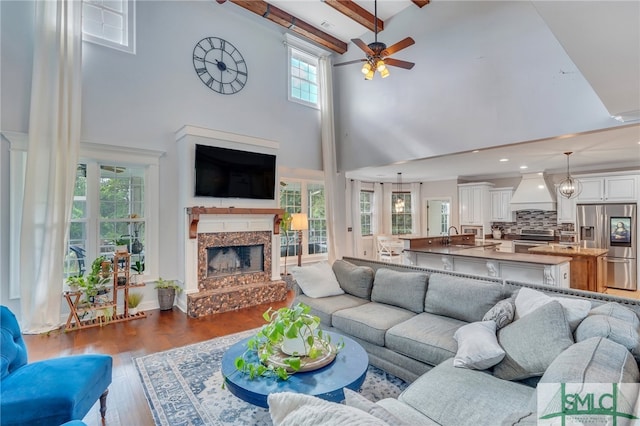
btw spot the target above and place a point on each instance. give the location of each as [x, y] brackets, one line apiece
[569, 187]
[398, 206]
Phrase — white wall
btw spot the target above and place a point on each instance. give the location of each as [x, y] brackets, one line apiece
[141, 100]
[486, 74]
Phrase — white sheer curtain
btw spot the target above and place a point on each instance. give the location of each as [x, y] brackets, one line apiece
[54, 140]
[356, 234]
[329, 157]
[416, 211]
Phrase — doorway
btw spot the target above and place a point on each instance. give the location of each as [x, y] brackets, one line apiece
[437, 212]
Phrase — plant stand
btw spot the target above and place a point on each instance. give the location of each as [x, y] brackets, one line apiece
[121, 274]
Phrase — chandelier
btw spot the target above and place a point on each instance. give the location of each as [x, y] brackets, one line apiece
[398, 205]
[569, 187]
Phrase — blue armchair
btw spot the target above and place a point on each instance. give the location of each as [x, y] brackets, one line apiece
[48, 392]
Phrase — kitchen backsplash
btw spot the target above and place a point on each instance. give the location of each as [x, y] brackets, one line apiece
[533, 219]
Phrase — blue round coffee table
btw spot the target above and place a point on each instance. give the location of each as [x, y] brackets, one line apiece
[349, 369]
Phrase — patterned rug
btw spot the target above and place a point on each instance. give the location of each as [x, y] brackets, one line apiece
[184, 386]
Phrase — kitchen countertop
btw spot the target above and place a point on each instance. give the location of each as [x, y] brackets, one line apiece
[489, 252]
[560, 250]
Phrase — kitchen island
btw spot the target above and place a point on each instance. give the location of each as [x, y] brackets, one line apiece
[479, 258]
[587, 264]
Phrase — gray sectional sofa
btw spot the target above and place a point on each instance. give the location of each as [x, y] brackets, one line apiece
[407, 317]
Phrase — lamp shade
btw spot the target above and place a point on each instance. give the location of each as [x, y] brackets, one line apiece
[299, 222]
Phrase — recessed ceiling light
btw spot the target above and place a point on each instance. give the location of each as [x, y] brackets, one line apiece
[524, 167]
[504, 160]
[477, 150]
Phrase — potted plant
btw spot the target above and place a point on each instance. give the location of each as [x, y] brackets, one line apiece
[138, 267]
[94, 283]
[133, 300]
[167, 290]
[289, 330]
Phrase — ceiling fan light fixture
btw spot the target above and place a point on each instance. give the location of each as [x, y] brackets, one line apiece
[369, 75]
[380, 66]
[366, 68]
[384, 73]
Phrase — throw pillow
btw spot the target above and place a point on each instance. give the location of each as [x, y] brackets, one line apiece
[616, 310]
[402, 289]
[354, 399]
[478, 347]
[528, 300]
[295, 409]
[317, 280]
[355, 280]
[532, 342]
[502, 313]
[612, 328]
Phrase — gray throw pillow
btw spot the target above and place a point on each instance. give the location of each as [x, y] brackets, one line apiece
[355, 280]
[616, 310]
[532, 342]
[502, 313]
[402, 289]
[611, 328]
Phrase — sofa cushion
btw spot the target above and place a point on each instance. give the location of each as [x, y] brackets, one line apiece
[532, 342]
[355, 280]
[528, 300]
[324, 307]
[403, 289]
[370, 321]
[478, 346]
[425, 337]
[502, 313]
[317, 280]
[616, 310]
[459, 396]
[408, 414]
[466, 299]
[611, 328]
[595, 360]
[295, 409]
[354, 399]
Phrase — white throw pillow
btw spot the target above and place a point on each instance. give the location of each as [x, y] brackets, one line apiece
[528, 300]
[317, 280]
[295, 409]
[478, 347]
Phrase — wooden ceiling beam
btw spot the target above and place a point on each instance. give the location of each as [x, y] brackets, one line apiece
[351, 9]
[282, 18]
[420, 3]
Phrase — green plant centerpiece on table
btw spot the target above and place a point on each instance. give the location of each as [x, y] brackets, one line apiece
[291, 331]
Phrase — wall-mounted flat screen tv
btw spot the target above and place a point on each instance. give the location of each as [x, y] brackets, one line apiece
[230, 173]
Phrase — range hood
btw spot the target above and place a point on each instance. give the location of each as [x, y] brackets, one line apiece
[533, 194]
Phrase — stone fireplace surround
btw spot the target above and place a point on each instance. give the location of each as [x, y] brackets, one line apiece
[228, 228]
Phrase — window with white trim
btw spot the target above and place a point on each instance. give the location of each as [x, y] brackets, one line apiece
[110, 23]
[305, 197]
[401, 219]
[366, 213]
[303, 78]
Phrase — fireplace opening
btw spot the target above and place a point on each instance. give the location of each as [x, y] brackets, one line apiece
[235, 260]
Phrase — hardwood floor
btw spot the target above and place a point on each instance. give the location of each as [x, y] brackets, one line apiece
[161, 330]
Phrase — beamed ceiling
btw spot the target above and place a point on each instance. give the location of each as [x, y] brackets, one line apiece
[348, 8]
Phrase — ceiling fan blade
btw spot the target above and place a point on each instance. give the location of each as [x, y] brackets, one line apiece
[349, 62]
[398, 46]
[362, 45]
[398, 63]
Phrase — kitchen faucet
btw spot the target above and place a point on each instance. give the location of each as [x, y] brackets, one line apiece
[449, 230]
[447, 239]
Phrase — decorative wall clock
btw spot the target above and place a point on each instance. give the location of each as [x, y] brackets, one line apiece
[220, 65]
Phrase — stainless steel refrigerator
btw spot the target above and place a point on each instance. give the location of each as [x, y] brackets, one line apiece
[612, 227]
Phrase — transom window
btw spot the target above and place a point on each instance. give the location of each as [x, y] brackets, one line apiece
[303, 78]
[110, 23]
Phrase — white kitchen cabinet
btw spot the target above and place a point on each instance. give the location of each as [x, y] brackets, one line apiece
[608, 189]
[566, 208]
[501, 205]
[474, 203]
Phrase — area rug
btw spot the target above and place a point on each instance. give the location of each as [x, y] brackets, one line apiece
[184, 386]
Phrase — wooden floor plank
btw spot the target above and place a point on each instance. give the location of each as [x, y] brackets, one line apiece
[125, 341]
